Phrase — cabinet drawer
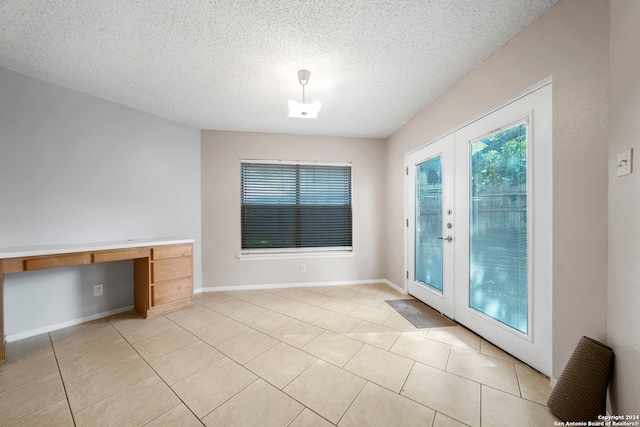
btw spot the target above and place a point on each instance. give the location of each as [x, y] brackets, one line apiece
[12, 265]
[54, 261]
[164, 252]
[171, 291]
[170, 269]
[117, 255]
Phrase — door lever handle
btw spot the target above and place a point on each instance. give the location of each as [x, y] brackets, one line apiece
[448, 238]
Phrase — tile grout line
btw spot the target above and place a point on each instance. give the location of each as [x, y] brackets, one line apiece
[405, 381]
[317, 358]
[341, 334]
[518, 381]
[354, 399]
[158, 375]
[345, 335]
[66, 397]
[201, 369]
[64, 384]
[480, 408]
[150, 367]
[225, 355]
[258, 377]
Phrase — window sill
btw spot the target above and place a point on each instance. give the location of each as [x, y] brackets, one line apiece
[295, 255]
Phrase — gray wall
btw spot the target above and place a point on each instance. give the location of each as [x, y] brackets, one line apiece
[570, 43]
[75, 168]
[623, 302]
[221, 154]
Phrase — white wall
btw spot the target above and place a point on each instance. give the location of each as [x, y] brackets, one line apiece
[221, 154]
[570, 43]
[75, 168]
[623, 303]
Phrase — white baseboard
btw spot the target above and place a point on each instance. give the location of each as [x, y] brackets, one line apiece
[295, 285]
[396, 287]
[50, 328]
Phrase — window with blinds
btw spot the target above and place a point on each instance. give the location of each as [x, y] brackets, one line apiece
[291, 206]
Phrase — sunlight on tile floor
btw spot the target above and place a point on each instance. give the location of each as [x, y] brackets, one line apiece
[314, 356]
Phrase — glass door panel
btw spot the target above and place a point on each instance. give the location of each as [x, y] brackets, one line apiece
[498, 228]
[430, 225]
[428, 229]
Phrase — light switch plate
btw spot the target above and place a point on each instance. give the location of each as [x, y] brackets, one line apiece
[623, 163]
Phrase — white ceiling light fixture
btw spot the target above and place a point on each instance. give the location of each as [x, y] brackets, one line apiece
[303, 110]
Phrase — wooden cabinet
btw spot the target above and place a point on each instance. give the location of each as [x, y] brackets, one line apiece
[163, 269]
[164, 281]
[163, 275]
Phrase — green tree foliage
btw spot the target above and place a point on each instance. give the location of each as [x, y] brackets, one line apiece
[501, 159]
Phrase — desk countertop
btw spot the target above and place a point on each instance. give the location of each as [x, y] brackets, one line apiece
[40, 250]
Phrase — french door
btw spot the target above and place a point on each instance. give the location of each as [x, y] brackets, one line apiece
[479, 226]
[431, 206]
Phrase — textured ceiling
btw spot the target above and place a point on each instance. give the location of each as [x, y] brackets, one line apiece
[231, 64]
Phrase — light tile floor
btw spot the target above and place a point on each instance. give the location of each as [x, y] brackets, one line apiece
[315, 356]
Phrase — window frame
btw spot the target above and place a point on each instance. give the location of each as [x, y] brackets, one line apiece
[322, 251]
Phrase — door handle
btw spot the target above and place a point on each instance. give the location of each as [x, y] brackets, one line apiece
[448, 238]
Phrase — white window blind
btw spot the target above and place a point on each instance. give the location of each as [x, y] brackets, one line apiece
[291, 206]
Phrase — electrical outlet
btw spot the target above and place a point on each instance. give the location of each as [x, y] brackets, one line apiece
[97, 290]
[303, 268]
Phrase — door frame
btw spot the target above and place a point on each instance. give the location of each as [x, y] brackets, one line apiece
[540, 332]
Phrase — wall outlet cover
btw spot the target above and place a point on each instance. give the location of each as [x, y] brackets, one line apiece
[97, 290]
[623, 163]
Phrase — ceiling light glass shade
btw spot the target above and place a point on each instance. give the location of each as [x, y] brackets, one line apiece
[303, 76]
[303, 110]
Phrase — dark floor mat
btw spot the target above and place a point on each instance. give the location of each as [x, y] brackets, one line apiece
[420, 314]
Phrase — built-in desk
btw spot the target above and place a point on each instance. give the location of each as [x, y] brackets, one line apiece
[163, 269]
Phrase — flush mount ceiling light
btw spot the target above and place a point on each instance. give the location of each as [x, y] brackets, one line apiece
[301, 109]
